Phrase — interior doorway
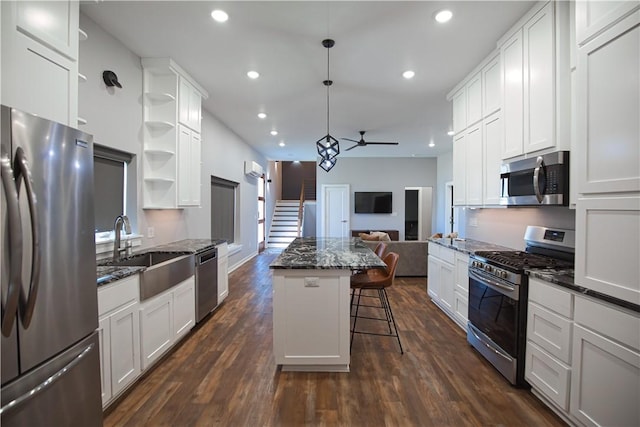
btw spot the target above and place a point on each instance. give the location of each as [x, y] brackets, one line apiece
[335, 210]
[418, 209]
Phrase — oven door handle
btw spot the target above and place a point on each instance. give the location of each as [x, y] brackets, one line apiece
[494, 284]
[489, 346]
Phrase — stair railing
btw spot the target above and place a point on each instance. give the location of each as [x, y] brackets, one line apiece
[301, 210]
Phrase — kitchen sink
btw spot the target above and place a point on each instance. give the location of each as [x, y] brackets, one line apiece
[164, 270]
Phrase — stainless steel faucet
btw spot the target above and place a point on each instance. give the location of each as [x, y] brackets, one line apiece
[117, 226]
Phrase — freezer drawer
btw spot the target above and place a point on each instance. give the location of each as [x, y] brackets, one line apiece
[65, 391]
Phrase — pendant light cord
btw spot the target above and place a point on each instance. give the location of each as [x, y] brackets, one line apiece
[328, 84]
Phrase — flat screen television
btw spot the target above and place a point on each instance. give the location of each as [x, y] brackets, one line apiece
[373, 201]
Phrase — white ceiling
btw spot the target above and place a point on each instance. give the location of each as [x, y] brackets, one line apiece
[375, 42]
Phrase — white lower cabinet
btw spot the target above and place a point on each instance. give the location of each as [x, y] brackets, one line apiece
[223, 272]
[605, 388]
[119, 335]
[164, 319]
[448, 280]
[548, 351]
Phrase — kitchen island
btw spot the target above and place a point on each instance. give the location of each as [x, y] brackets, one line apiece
[311, 302]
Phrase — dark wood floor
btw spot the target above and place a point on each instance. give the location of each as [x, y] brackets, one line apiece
[224, 373]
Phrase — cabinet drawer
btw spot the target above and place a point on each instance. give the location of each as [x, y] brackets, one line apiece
[621, 326]
[434, 250]
[550, 331]
[448, 255]
[548, 375]
[118, 293]
[551, 297]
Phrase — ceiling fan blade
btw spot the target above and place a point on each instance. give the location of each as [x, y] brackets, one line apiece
[349, 139]
[352, 147]
[382, 143]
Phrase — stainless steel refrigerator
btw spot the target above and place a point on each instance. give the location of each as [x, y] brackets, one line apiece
[50, 355]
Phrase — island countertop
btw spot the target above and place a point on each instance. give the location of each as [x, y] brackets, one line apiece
[327, 254]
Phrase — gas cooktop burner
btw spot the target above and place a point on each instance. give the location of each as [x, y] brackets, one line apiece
[521, 260]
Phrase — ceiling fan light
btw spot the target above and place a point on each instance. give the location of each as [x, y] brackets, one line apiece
[327, 164]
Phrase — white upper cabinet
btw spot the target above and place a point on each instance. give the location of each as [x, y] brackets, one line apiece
[459, 111]
[474, 172]
[189, 105]
[592, 17]
[474, 100]
[492, 134]
[608, 109]
[536, 82]
[491, 87]
[39, 62]
[459, 170]
[512, 56]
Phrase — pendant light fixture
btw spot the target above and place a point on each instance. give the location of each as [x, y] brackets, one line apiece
[328, 147]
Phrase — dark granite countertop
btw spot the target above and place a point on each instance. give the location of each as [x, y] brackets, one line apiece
[327, 254]
[110, 273]
[469, 246]
[564, 278]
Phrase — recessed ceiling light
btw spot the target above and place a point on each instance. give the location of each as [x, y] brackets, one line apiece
[431, 144]
[274, 132]
[281, 144]
[443, 16]
[262, 116]
[253, 74]
[408, 74]
[219, 15]
[450, 133]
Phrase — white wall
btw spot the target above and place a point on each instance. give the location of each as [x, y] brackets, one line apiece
[114, 117]
[379, 174]
[506, 226]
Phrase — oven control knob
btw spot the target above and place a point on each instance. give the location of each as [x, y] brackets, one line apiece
[503, 274]
[488, 268]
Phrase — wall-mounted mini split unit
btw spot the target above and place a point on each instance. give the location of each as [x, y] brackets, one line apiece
[252, 169]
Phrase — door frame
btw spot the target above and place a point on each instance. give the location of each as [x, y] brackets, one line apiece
[324, 223]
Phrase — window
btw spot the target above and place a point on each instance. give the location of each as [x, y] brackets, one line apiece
[110, 185]
[223, 209]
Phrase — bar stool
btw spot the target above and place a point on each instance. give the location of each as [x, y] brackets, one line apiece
[380, 249]
[378, 280]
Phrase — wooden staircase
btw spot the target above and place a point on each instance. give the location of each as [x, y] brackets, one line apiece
[284, 226]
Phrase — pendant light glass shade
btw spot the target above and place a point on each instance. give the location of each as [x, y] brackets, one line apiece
[328, 164]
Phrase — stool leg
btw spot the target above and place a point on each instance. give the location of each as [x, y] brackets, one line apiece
[385, 306]
[355, 317]
[395, 327]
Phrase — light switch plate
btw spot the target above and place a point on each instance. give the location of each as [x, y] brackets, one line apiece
[151, 232]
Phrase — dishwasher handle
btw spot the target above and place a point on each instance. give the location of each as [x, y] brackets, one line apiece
[207, 256]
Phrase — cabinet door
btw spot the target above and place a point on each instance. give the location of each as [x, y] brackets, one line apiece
[512, 58]
[223, 278]
[461, 308]
[608, 107]
[195, 106]
[184, 101]
[459, 111]
[433, 280]
[604, 384]
[156, 327]
[473, 165]
[125, 347]
[447, 284]
[600, 223]
[462, 273]
[195, 162]
[593, 17]
[474, 99]
[539, 71]
[184, 307]
[459, 171]
[104, 338]
[492, 132]
[491, 87]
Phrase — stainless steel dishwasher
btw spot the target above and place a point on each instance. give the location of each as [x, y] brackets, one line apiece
[206, 282]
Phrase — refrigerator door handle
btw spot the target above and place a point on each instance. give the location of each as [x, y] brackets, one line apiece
[46, 383]
[27, 304]
[15, 245]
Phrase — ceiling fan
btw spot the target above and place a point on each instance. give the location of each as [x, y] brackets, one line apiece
[363, 143]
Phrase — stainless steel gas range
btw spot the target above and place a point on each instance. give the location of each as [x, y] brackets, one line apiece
[498, 289]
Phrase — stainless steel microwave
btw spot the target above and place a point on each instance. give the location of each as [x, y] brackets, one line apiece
[541, 180]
